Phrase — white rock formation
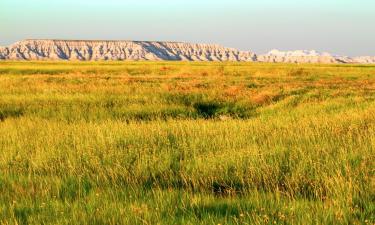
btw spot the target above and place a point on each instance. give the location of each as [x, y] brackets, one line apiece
[364, 59]
[120, 50]
[157, 51]
[312, 56]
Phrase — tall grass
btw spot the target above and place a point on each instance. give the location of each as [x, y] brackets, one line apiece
[186, 143]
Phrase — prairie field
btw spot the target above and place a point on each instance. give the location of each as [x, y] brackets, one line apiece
[186, 143]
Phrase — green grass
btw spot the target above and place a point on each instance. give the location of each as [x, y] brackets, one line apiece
[186, 143]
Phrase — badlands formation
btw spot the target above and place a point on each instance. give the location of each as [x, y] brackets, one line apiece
[158, 51]
[120, 50]
[303, 56]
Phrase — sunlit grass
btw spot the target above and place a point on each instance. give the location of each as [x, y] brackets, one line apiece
[186, 143]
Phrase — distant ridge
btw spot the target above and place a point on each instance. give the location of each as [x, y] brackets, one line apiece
[92, 50]
[97, 50]
[312, 56]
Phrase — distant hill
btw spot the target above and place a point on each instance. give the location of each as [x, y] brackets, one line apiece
[312, 56]
[121, 50]
[158, 51]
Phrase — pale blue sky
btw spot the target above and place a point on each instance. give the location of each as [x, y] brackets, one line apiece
[338, 26]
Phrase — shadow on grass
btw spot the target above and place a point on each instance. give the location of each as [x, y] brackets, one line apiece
[211, 108]
[10, 112]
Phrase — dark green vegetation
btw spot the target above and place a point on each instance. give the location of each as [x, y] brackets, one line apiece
[186, 143]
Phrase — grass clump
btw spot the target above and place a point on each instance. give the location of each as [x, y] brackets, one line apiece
[215, 109]
[10, 112]
[207, 107]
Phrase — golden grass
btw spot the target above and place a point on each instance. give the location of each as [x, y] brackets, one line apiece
[186, 143]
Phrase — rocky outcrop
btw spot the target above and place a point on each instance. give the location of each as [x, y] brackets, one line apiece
[365, 59]
[304, 56]
[120, 50]
[158, 51]
[300, 56]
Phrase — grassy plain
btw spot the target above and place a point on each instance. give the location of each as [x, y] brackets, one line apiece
[186, 143]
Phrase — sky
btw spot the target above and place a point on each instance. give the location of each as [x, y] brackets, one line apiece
[345, 27]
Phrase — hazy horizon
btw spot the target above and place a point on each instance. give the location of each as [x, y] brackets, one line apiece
[336, 26]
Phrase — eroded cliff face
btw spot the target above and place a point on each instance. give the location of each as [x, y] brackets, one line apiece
[297, 59]
[158, 51]
[312, 56]
[120, 50]
[364, 59]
